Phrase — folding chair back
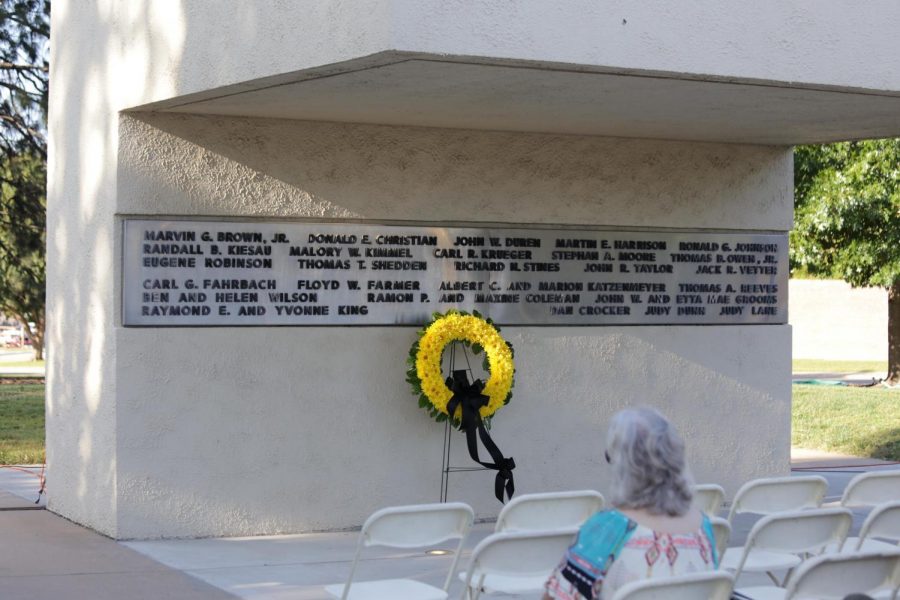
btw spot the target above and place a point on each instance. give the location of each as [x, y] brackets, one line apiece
[722, 530]
[834, 576]
[551, 510]
[779, 494]
[882, 522]
[709, 498]
[874, 487]
[418, 525]
[516, 562]
[714, 585]
[413, 526]
[799, 532]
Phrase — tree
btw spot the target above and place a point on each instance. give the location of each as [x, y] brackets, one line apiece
[847, 221]
[22, 244]
[24, 37]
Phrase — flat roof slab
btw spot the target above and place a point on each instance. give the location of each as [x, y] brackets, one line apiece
[466, 93]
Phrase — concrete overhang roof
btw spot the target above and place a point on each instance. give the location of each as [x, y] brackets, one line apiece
[414, 89]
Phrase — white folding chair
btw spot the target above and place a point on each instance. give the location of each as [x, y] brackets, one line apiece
[414, 526]
[550, 510]
[722, 531]
[882, 522]
[517, 562]
[872, 489]
[832, 577]
[869, 489]
[709, 498]
[778, 494]
[713, 585]
[781, 541]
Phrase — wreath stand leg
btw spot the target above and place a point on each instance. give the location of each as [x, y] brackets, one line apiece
[446, 469]
[445, 465]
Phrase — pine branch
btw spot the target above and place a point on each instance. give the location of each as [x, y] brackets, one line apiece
[23, 67]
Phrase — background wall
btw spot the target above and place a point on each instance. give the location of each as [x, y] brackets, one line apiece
[264, 430]
[832, 320]
[190, 432]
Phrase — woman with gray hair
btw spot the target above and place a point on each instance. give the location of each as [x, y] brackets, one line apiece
[653, 531]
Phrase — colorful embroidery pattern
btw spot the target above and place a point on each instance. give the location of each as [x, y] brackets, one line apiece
[611, 548]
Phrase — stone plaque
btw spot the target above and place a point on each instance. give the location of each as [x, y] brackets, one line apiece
[225, 273]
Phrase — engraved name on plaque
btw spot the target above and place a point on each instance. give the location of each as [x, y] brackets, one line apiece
[246, 273]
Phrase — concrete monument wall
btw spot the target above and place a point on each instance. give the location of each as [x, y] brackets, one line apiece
[263, 430]
[215, 431]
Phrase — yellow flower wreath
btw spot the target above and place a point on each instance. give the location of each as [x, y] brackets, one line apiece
[425, 358]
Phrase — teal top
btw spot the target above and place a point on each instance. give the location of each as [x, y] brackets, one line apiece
[601, 541]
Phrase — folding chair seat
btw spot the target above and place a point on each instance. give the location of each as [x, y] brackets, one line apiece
[781, 541]
[517, 562]
[834, 576]
[871, 489]
[550, 510]
[882, 522]
[778, 494]
[722, 531]
[713, 585]
[709, 498]
[416, 526]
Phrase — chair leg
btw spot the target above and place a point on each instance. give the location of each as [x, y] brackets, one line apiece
[479, 588]
[783, 582]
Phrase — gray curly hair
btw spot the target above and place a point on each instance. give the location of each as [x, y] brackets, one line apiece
[648, 464]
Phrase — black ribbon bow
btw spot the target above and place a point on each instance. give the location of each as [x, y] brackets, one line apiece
[469, 397]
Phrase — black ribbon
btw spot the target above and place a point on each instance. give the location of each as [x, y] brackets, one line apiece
[469, 397]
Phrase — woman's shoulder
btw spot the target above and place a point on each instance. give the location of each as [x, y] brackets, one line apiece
[688, 523]
[604, 529]
[609, 516]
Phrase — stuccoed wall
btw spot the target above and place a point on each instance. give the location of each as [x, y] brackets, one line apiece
[166, 49]
[219, 402]
[263, 430]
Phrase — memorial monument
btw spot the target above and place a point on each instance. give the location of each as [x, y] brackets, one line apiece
[253, 209]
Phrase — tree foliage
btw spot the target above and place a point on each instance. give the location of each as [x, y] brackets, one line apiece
[22, 243]
[847, 211]
[24, 35]
[24, 38]
[847, 220]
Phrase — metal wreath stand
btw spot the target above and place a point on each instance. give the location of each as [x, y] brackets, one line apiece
[504, 466]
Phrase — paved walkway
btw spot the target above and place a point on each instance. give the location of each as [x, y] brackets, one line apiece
[43, 556]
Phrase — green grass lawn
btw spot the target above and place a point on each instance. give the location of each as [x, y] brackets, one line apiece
[814, 365]
[857, 421]
[23, 363]
[21, 424]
